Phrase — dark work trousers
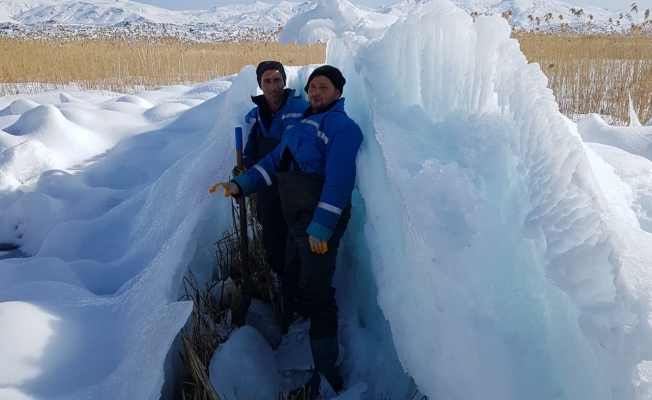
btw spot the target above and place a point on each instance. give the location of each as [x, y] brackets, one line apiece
[308, 273]
[270, 214]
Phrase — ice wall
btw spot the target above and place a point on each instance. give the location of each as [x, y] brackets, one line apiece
[331, 19]
[499, 267]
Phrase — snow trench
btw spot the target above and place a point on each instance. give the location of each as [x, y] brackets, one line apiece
[484, 260]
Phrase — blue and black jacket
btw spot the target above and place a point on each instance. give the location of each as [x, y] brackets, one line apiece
[269, 124]
[325, 143]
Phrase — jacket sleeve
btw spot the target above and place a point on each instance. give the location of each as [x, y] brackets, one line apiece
[262, 174]
[341, 151]
[248, 155]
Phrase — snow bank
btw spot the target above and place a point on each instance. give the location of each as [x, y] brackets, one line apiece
[634, 139]
[335, 19]
[109, 241]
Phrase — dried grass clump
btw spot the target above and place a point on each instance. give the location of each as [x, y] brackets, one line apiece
[210, 326]
[263, 284]
[128, 67]
[595, 73]
[214, 319]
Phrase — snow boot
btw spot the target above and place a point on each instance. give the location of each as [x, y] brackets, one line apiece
[287, 319]
[324, 355]
[307, 391]
[291, 311]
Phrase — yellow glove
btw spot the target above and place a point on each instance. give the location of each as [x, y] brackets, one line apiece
[317, 245]
[230, 188]
[238, 171]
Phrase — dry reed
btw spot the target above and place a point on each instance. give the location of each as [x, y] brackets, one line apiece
[587, 73]
[595, 73]
[126, 67]
[209, 328]
[213, 319]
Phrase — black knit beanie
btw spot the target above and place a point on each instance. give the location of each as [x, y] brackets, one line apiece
[331, 73]
[266, 66]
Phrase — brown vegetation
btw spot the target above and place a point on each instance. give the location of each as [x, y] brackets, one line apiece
[124, 66]
[595, 73]
[588, 73]
[218, 306]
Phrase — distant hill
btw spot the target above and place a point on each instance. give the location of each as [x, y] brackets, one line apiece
[529, 14]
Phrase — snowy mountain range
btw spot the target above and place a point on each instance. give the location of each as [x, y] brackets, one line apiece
[255, 14]
[116, 12]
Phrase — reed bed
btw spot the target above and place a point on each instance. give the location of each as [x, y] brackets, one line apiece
[125, 67]
[595, 73]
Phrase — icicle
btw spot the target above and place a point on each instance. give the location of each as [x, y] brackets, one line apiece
[633, 118]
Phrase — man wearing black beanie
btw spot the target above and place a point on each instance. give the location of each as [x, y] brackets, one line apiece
[332, 73]
[315, 168]
[270, 66]
[275, 109]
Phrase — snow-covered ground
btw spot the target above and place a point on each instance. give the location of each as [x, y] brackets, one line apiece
[497, 250]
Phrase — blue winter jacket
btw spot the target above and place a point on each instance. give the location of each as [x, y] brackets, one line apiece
[326, 143]
[290, 112]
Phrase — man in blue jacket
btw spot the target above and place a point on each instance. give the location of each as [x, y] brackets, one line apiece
[315, 168]
[275, 109]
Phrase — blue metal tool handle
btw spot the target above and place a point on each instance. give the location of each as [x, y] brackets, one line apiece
[238, 138]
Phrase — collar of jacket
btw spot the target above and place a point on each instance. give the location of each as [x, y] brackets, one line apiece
[337, 106]
[261, 102]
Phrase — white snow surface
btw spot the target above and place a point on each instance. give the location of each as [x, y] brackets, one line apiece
[335, 19]
[497, 250]
[245, 367]
[10, 8]
[635, 139]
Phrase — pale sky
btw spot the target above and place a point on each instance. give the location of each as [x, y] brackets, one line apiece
[208, 4]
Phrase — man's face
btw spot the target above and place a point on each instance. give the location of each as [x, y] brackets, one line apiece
[272, 85]
[321, 93]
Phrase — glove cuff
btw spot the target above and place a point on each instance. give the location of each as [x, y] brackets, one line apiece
[319, 231]
[244, 184]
